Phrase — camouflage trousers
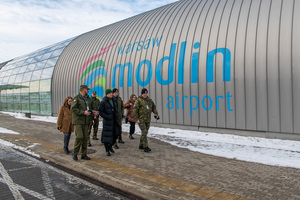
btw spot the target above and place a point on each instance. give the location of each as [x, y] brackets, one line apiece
[119, 137]
[82, 136]
[95, 124]
[144, 126]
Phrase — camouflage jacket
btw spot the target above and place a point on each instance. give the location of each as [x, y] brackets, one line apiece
[94, 102]
[142, 109]
[78, 106]
[120, 107]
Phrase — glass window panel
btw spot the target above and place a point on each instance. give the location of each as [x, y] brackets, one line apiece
[30, 67]
[27, 61]
[32, 55]
[1, 74]
[8, 73]
[17, 95]
[47, 73]
[11, 66]
[4, 73]
[53, 47]
[40, 65]
[12, 79]
[45, 51]
[45, 85]
[35, 108]
[34, 86]
[46, 56]
[36, 75]
[56, 52]
[27, 76]
[45, 97]
[34, 97]
[46, 109]
[5, 80]
[25, 93]
[4, 106]
[51, 62]
[25, 107]
[4, 68]
[10, 98]
[23, 69]
[18, 107]
[37, 58]
[19, 63]
[19, 78]
[10, 106]
[15, 71]
[3, 96]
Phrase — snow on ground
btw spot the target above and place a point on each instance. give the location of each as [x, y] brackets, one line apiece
[275, 152]
[33, 117]
[26, 150]
[4, 130]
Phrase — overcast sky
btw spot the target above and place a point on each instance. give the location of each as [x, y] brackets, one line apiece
[28, 25]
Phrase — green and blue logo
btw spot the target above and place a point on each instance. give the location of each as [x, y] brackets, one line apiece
[93, 73]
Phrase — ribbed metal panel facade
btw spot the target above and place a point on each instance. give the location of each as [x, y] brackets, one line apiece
[230, 64]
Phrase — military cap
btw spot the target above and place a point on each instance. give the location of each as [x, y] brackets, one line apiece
[84, 87]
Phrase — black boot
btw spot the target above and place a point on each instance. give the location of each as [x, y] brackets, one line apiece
[66, 150]
[130, 137]
[120, 140]
[107, 150]
[147, 149]
[111, 149]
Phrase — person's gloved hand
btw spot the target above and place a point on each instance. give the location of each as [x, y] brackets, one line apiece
[156, 117]
[58, 128]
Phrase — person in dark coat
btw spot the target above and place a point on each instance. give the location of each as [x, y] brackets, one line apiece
[108, 110]
[129, 106]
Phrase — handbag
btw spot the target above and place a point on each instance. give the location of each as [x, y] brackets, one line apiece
[126, 119]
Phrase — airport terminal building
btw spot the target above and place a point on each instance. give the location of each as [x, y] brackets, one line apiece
[208, 64]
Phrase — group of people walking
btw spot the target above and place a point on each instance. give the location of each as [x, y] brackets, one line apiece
[82, 113]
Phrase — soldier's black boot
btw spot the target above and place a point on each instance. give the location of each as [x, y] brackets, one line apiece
[130, 137]
[147, 149]
[141, 147]
[75, 157]
[120, 140]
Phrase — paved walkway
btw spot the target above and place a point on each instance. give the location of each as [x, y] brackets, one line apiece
[168, 172]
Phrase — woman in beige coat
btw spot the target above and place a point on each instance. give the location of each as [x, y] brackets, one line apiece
[64, 122]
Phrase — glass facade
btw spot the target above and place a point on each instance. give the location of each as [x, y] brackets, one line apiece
[25, 82]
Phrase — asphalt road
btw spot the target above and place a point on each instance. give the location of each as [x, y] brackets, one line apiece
[24, 177]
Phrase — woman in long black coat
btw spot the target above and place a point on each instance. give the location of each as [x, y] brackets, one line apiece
[108, 110]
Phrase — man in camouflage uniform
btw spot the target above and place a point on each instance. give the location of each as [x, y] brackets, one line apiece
[142, 109]
[94, 122]
[81, 119]
[121, 114]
